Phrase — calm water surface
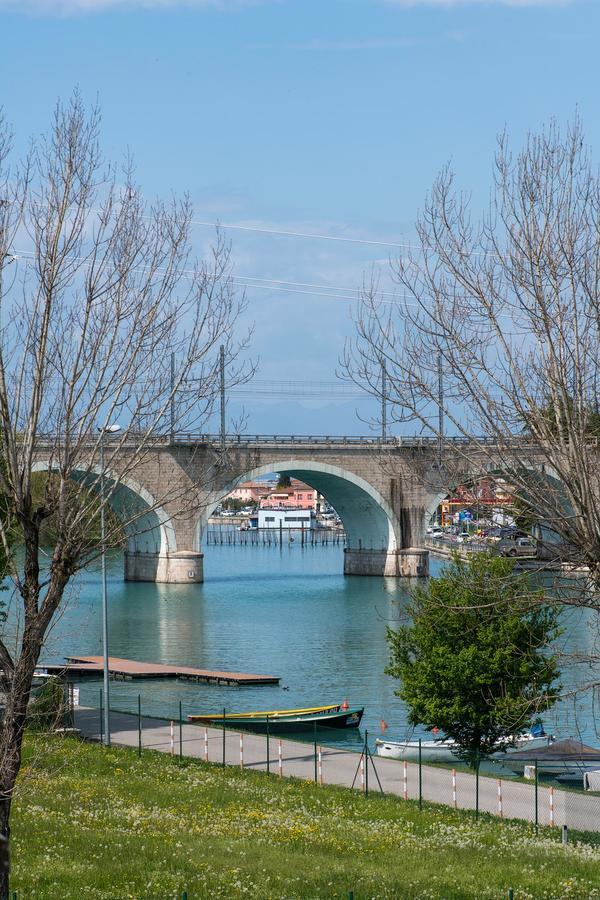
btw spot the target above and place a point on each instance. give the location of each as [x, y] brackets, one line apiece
[287, 612]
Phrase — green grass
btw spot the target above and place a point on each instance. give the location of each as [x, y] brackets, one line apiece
[91, 822]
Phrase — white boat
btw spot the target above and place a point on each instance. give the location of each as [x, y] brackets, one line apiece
[565, 760]
[443, 750]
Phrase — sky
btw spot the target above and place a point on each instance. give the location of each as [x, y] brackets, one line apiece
[328, 118]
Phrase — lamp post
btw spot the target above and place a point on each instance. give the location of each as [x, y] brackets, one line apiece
[105, 429]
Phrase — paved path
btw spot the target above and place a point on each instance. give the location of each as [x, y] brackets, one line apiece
[510, 799]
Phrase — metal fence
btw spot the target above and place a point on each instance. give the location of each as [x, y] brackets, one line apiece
[323, 756]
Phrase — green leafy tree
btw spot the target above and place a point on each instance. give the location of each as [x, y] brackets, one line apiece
[477, 662]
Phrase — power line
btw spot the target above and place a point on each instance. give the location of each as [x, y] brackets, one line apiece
[304, 234]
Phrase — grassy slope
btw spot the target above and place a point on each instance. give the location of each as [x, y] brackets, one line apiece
[90, 822]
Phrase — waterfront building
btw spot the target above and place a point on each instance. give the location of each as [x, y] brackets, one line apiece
[286, 517]
[297, 496]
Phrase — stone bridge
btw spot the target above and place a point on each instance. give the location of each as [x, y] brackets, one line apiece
[384, 492]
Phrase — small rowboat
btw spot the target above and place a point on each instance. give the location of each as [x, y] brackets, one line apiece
[281, 721]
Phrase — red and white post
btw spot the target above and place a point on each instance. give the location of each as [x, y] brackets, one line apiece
[454, 788]
[320, 765]
[500, 798]
[552, 807]
[405, 780]
[206, 745]
[362, 772]
[280, 758]
[241, 750]
[172, 739]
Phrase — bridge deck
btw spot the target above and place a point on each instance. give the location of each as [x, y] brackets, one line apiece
[129, 669]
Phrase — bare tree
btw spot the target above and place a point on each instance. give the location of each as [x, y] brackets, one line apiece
[97, 288]
[506, 306]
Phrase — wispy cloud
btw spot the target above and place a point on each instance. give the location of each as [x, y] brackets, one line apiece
[74, 7]
[81, 7]
[451, 3]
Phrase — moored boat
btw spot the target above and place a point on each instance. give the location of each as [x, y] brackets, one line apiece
[280, 721]
[443, 750]
[565, 760]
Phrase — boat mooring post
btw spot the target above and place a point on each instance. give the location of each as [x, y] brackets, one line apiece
[366, 753]
[180, 732]
[101, 719]
[139, 724]
[420, 776]
[268, 750]
[223, 737]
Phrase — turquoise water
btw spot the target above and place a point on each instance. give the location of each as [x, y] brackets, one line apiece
[280, 611]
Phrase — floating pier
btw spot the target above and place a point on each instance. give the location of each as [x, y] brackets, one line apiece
[131, 669]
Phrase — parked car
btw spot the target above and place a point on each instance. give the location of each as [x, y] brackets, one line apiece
[437, 532]
[522, 546]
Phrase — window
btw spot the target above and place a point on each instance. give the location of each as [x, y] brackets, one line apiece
[269, 518]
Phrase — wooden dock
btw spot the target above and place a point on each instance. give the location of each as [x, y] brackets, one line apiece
[131, 669]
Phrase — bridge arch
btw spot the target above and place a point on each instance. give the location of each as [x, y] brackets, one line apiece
[373, 531]
[152, 533]
[368, 519]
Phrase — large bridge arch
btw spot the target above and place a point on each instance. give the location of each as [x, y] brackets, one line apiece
[149, 530]
[373, 531]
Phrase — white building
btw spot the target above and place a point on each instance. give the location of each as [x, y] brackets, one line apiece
[289, 518]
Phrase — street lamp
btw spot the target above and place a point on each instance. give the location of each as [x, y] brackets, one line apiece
[105, 429]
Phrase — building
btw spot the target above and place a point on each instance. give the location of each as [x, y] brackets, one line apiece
[250, 491]
[285, 517]
[297, 496]
[485, 498]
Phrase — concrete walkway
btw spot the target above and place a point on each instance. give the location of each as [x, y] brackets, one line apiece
[509, 799]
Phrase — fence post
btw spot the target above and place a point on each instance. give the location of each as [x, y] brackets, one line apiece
[454, 788]
[366, 751]
[223, 737]
[139, 724]
[315, 748]
[536, 796]
[268, 750]
[280, 759]
[420, 776]
[101, 718]
[477, 787]
[180, 732]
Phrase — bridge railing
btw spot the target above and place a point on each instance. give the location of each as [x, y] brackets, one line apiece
[518, 442]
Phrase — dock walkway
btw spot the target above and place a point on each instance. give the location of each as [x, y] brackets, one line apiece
[130, 669]
[504, 798]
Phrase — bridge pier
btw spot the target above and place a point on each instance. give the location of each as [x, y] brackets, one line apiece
[177, 567]
[411, 562]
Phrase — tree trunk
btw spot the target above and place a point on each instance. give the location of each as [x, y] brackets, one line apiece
[5, 804]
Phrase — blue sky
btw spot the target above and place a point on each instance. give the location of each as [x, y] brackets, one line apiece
[328, 118]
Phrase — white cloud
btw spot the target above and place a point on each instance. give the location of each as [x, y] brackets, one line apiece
[73, 7]
[450, 3]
